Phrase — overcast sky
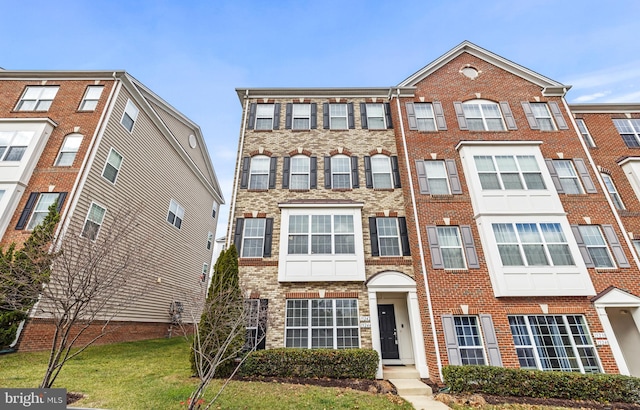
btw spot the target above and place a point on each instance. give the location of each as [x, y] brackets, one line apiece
[195, 53]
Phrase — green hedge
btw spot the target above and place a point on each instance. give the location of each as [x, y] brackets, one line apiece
[499, 381]
[288, 362]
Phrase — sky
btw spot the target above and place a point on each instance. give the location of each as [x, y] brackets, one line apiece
[195, 53]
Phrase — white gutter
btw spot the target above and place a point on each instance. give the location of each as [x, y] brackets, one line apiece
[614, 210]
[418, 230]
[232, 209]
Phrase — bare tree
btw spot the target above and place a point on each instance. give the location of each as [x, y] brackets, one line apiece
[96, 274]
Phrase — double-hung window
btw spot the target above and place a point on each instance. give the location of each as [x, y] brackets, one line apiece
[299, 177]
[13, 144]
[542, 116]
[629, 130]
[375, 117]
[483, 116]
[129, 116]
[425, 117]
[389, 237]
[93, 221]
[508, 172]
[264, 116]
[437, 180]
[91, 97]
[257, 310]
[321, 234]
[584, 131]
[613, 192]
[381, 172]
[340, 172]
[112, 166]
[554, 342]
[176, 214]
[209, 240]
[567, 176]
[68, 150]
[253, 238]
[301, 116]
[41, 209]
[37, 98]
[259, 174]
[469, 340]
[451, 247]
[532, 244]
[322, 323]
[596, 246]
[338, 117]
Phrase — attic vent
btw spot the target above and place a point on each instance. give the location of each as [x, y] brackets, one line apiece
[192, 141]
[470, 72]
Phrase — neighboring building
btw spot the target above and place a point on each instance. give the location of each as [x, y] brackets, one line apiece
[521, 221]
[99, 142]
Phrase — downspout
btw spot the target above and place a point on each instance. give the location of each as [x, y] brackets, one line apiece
[232, 210]
[418, 230]
[603, 186]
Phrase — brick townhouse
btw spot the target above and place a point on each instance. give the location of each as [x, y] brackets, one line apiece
[100, 142]
[468, 215]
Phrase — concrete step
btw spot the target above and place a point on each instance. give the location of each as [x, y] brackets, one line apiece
[400, 372]
[411, 387]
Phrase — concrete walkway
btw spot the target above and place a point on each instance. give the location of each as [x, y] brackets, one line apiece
[406, 379]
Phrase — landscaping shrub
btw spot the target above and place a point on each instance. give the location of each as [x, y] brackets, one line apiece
[500, 381]
[288, 362]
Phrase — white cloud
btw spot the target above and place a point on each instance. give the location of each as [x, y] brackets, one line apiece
[608, 76]
[591, 97]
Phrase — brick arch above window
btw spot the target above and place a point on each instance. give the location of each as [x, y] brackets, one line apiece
[260, 151]
[300, 151]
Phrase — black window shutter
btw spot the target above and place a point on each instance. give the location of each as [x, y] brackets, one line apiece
[313, 172]
[557, 114]
[451, 340]
[411, 116]
[252, 116]
[285, 172]
[24, 216]
[61, 197]
[395, 170]
[439, 113]
[350, 116]
[616, 246]
[368, 176]
[276, 116]
[490, 340]
[268, 237]
[373, 232]
[387, 115]
[272, 172]
[327, 172]
[469, 247]
[582, 246]
[423, 183]
[288, 116]
[244, 179]
[314, 116]
[508, 115]
[454, 178]
[528, 112]
[434, 247]
[363, 116]
[404, 236]
[589, 186]
[325, 116]
[554, 175]
[355, 179]
[237, 236]
[462, 120]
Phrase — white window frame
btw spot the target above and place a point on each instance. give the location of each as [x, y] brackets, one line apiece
[629, 130]
[568, 176]
[41, 210]
[255, 172]
[214, 210]
[175, 215]
[131, 112]
[298, 113]
[543, 116]
[553, 328]
[14, 138]
[635, 242]
[306, 229]
[334, 173]
[88, 219]
[293, 172]
[469, 336]
[246, 229]
[596, 245]
[380, 122]
[264, 112]
[209, 241]
[523, 234]
[205, 272]
[326, 326]
[446, 245]
[584, 131]
[91, 98]
[613, 191]
[425, 117]
[442, 174]
[67, 149]
[482, 107]
[333, 116]
[383, 162]
[386, 233]
[109, 165]
[40, 101]
[520, 171]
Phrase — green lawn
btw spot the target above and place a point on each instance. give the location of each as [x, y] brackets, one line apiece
[155, 374]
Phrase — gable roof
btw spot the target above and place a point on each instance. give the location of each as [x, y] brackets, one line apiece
[549, 86]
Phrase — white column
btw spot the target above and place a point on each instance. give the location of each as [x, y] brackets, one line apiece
[416, 334]
[375, 330]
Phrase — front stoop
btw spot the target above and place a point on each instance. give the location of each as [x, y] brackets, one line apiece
[406, 379]
[411, 387]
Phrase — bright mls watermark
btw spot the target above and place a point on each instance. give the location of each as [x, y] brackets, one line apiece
[39, 399]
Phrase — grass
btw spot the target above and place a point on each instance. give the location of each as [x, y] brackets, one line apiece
[155, 374]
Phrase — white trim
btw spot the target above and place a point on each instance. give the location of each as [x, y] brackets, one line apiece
[321, 205]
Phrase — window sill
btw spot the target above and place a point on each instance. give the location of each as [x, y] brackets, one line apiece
[383, 189]
[338, 129]
[257, 190]
[261, 130]
[300, 190]
[607, 270]
[442, 196]
[299, 130]
[379, 129]
[456, 270]
[341, 189]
